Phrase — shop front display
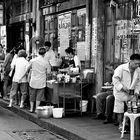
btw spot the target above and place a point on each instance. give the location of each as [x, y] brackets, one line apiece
[65, 89]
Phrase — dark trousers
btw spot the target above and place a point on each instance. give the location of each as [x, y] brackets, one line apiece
[105, 104]
[109, 106]
[1, 87]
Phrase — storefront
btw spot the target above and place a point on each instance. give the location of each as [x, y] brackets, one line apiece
[66, 26]
[122, 31]
[18, 23]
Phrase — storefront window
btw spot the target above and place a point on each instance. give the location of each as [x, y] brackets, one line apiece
[51, 23]
[46, 24]
[21, 7]
[50, 28]
[46, 37]
[81, 16]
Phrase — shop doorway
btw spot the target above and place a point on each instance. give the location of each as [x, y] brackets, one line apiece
[15, 34]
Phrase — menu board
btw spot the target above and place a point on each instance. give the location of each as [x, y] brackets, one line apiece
[94, 42]
[64, 41]
[81, 50]
[64, 31]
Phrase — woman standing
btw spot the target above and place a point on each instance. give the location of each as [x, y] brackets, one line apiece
[19, 79]
[39, 69]
[72, 59]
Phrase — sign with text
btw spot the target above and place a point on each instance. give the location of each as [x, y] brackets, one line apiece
[64, 31]
[124, 29]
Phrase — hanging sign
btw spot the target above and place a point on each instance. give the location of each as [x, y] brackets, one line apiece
[138, 8]
[94, 42]
[124, 29]
[64, 31]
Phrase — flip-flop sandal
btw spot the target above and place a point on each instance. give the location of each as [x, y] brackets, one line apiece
[31, 111]
[9, 106]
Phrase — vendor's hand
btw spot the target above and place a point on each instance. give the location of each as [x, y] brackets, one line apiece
[125, 89]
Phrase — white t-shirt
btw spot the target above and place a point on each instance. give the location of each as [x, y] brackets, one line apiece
[77, 61]
[14, 61]
[50, 57]
[39, 70]
[21, 65]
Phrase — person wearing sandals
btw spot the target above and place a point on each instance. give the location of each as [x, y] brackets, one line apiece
[39, 69]
[126, 78]
[19, 79]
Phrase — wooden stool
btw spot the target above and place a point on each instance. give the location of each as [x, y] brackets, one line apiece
[132, 118]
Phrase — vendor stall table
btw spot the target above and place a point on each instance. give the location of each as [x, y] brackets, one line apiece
[61, 93]
[73, 92]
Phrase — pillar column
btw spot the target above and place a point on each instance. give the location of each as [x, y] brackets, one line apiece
[98, 41]
[34, 17]
[37, 18]
[88, 32]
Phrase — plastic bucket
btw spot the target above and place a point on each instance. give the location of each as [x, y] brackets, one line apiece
[84, 105]
[58, 112]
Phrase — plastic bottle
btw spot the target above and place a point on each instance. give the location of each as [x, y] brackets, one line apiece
[129, 105]
[135, 109]
[138, 104]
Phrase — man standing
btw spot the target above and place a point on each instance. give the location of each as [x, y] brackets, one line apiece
[39, 69]
[50, 55]
[126, 77]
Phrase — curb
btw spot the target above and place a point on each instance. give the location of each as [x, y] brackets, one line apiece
[44, 124]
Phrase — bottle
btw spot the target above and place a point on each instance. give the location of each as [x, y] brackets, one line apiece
[135, 109]
[134, 103]
[138, 104]
[129, 105]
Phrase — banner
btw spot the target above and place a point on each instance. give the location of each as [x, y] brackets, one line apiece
[64, 31]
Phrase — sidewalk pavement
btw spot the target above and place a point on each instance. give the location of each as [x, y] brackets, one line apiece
[72, 127]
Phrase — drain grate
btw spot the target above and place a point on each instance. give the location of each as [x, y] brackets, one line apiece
[36, 135]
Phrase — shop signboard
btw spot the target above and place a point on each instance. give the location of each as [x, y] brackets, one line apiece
[82, 48]
[3, 37]
[1, 14]
[125, 29]
[124, 33]
[94, 41]
[64, 31]
[138, 8]
[136, 25]
[27, 43]
[88, 41]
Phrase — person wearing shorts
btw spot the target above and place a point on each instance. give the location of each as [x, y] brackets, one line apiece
[37, 94]
[38, 68]
[126, 77]
[19, 79]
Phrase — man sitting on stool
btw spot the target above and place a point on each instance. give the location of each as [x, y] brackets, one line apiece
[104, 106]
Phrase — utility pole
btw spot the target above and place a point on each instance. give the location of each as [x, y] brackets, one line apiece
[88, 32]
[37, 19]
[34, 17]
[98, 41]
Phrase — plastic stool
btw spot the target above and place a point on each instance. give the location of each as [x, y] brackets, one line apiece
[93, 102]
[132, 118]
